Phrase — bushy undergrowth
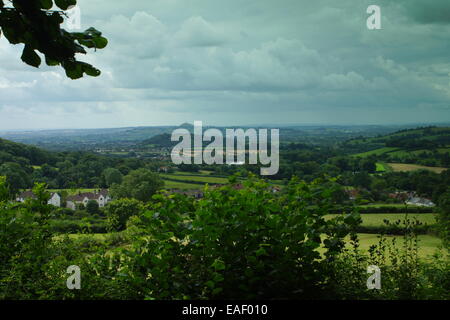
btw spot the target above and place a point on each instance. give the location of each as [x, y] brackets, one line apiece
[233, 243]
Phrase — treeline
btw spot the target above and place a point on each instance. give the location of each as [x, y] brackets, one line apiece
[24, 165]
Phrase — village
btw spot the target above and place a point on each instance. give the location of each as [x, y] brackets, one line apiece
[102, 197]
[72, 201]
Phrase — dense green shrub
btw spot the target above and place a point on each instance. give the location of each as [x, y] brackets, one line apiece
[119, 211]
[248, 243]
[78, 226]
[403, 274]
[232, 244]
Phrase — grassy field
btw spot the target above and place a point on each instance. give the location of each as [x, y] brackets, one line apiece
[427, 244]
[397, 205]
[382, 167]
[201, 178]
[168, 184]
[404, 167]
[200, 173]
[375, 152]
[377, 220]
[198, 178]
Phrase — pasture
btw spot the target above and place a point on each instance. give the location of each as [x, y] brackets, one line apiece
[405, 167]
[377, 220]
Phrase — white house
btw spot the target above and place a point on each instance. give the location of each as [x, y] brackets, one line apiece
[102, 197]
[55, 199]
[416, 201]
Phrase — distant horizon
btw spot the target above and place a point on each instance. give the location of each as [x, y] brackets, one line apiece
[269, 125]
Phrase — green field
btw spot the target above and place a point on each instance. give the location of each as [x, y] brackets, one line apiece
[427, 244]
[168, 184]
[405, 167]
[201, 178]
[375, 152]
[197, 178]
[377, 220]
[382, 167]
[397, 205]
[200, 173]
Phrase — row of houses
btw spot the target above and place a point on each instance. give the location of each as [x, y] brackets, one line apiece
[101, 196]
[408, 197]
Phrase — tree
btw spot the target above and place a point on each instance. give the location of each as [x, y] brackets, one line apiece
[16, 177]
[111, 176]
[139, 184]
[4, 191]
[444, 217]
[368, 165]
[92, 207]
[119, 211]
[33, 23]
[362, 179]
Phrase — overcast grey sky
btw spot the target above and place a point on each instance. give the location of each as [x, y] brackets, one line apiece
[238, 62]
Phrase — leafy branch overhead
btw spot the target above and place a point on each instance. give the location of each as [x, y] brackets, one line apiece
[33, 23]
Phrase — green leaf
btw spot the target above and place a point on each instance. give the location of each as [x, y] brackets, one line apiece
[46, 4]
[218, 265]
[217, 291]
[74, 70]
[100, 42]
[51, 62]
[65, 4]
[29, 56]
[261, 251]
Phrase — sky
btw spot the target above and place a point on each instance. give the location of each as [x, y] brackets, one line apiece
[240, 62]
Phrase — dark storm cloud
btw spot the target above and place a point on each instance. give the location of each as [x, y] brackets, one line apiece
[241, 62]
[428, 12]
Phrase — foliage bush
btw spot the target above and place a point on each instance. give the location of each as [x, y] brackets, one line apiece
[119, 211]
[78, 226]
[403, 274]
[233, 244]
[248, 243]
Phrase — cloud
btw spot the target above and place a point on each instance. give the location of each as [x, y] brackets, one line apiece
[232, 62]
[428, 12]
[196, 32]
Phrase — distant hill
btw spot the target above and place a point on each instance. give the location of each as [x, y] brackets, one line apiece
[132, 137]
[424, 146]
[160, 140]
[24, 154]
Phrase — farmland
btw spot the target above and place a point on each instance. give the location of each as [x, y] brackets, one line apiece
[428, 244]
[404, 167]
[377, 220]
[197, 180]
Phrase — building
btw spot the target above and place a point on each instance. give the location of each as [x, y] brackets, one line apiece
[54, 200]
[352, 193]
[163, 169]
[422, 202]
[102, 197]
[197, 194]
